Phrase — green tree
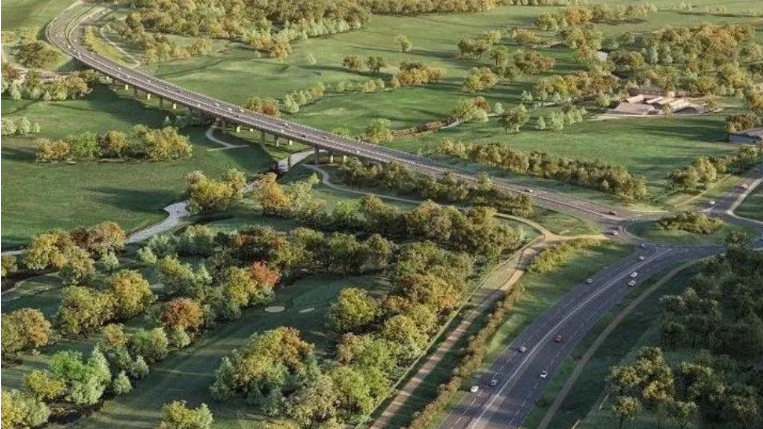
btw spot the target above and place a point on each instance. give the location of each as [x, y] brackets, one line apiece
[132, 294]
[353, 310]
[121, 384]
[353, 63]
[625, 408]
[403, 42]
[177, 415]
[683, 412]
[375, 63]
[23, 329]
[378, 131]
[22, 410]
[512, 120]
[84, 310]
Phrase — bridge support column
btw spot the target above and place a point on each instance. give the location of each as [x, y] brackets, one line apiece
[344, 159]
[331, 157]
[127, 87]
[278, 143]
[174, 106]
[148, 96]
[161, 102]
[238, 128]
[223, 125]
[251, 130]
[134, 91]
[288, 161]
[107, 79]
[291, 142]
[316, 157]
[262, 137]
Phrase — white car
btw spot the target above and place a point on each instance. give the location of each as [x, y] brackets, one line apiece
[474, 389]
[643, 245]
[615, 233]
[712, 202]
[632, 283]
[641, 258]
[494, 382]
[589, 281]
[544, 374]
[529, 191]
[523, 349]
[634, 274]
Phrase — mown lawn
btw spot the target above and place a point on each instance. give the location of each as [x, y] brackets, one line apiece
[38, 197]
[752, 207]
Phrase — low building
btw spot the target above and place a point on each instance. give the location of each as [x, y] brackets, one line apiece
[690, 109]
[754, 135]
[639, 98]
[633, 109]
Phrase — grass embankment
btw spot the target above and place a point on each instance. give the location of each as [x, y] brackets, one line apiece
[589, 389]
[752, 207]
[38, 197]
[652, 232]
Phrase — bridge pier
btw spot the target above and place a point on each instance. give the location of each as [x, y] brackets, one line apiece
[288, 161]
[344, 159]
[161, 102]
[134, 91]
[238, 128]
[262, 137]
[174, 106]
[275, 139]
[316, 157]
[148, 96]
[291, 142]
[127, 87]
[223, 125]
[331, 157]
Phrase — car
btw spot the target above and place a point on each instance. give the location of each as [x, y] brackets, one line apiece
[529, 191]
[643, 245]
[494, 382]
[589, 281]
[523, 349]
[632, 283]
[544, 374]
[615, 233]
[612, 213]
[634, 274]
[743, 185]
[711, 202]
[641, 258]
[474, 389]
[558, 338]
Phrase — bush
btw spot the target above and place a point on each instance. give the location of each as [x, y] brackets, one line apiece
[698, 223]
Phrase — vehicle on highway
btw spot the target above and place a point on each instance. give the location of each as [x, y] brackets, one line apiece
[474, 389]
[529, 191]
[589, 281]
[523, 349]
[544, 374]
[641, 258]
[632, 283]
[494, 382]
[612, 213]
[615, 233]
[643, 245]
[711, 202]
[634, 274]
[558, 338]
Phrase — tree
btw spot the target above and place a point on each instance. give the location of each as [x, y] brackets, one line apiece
[625, 408]
[271, 195]
[85, 380]
[22, 410]
[378, 131]
[512, 120]
[499, 55]
[403, 42]
[402, 331]
[177, 415]
[152, 345]
[352, 63]
[315, 403]
[84, 310]
[121, 384]
[182, 313]
[79, 266]
[479, 79]
[23, 329]
[683, 412]
[43, 385]
[47, 250]
[353, 311]
[210, 195]
[114, 144]
[131, 292]
[108, 262]
[375, 63]
[37, 55]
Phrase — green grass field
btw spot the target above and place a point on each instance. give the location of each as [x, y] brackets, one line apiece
[649, 231]
[752, 207]
[590, 388]
[38, 197]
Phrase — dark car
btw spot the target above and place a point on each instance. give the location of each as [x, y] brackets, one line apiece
[558, 338]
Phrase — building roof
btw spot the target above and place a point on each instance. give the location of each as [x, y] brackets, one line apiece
[636, 98]
[633, 109]
[653, 100]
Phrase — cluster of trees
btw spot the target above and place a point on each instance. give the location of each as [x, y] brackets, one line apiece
[512, 120]
[24, 329]
[479, 79]
[742, 121]
[704, 170]
[582, 84]
[473, 110]
[32, 87]
[268, 26]
[447, 189]
[295, 99]
[417, 7]
[36, 54]
[614, 180]
[155, 47]
[266, 106]
[416, 73]
[532, 62]
[19, 126]
[379, 131]
[370, 85]
[177, 415]
[598, 13]
[698, 223]
[474, 230]
[159, 144]
[479, 45]
[206, 194]
[704, 59]
[716, 322]
[72, 253]
[553, 258]
[379, 337]
[374, 63]
[558, 119]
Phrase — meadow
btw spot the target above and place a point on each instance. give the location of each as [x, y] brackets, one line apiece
[751, 207]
